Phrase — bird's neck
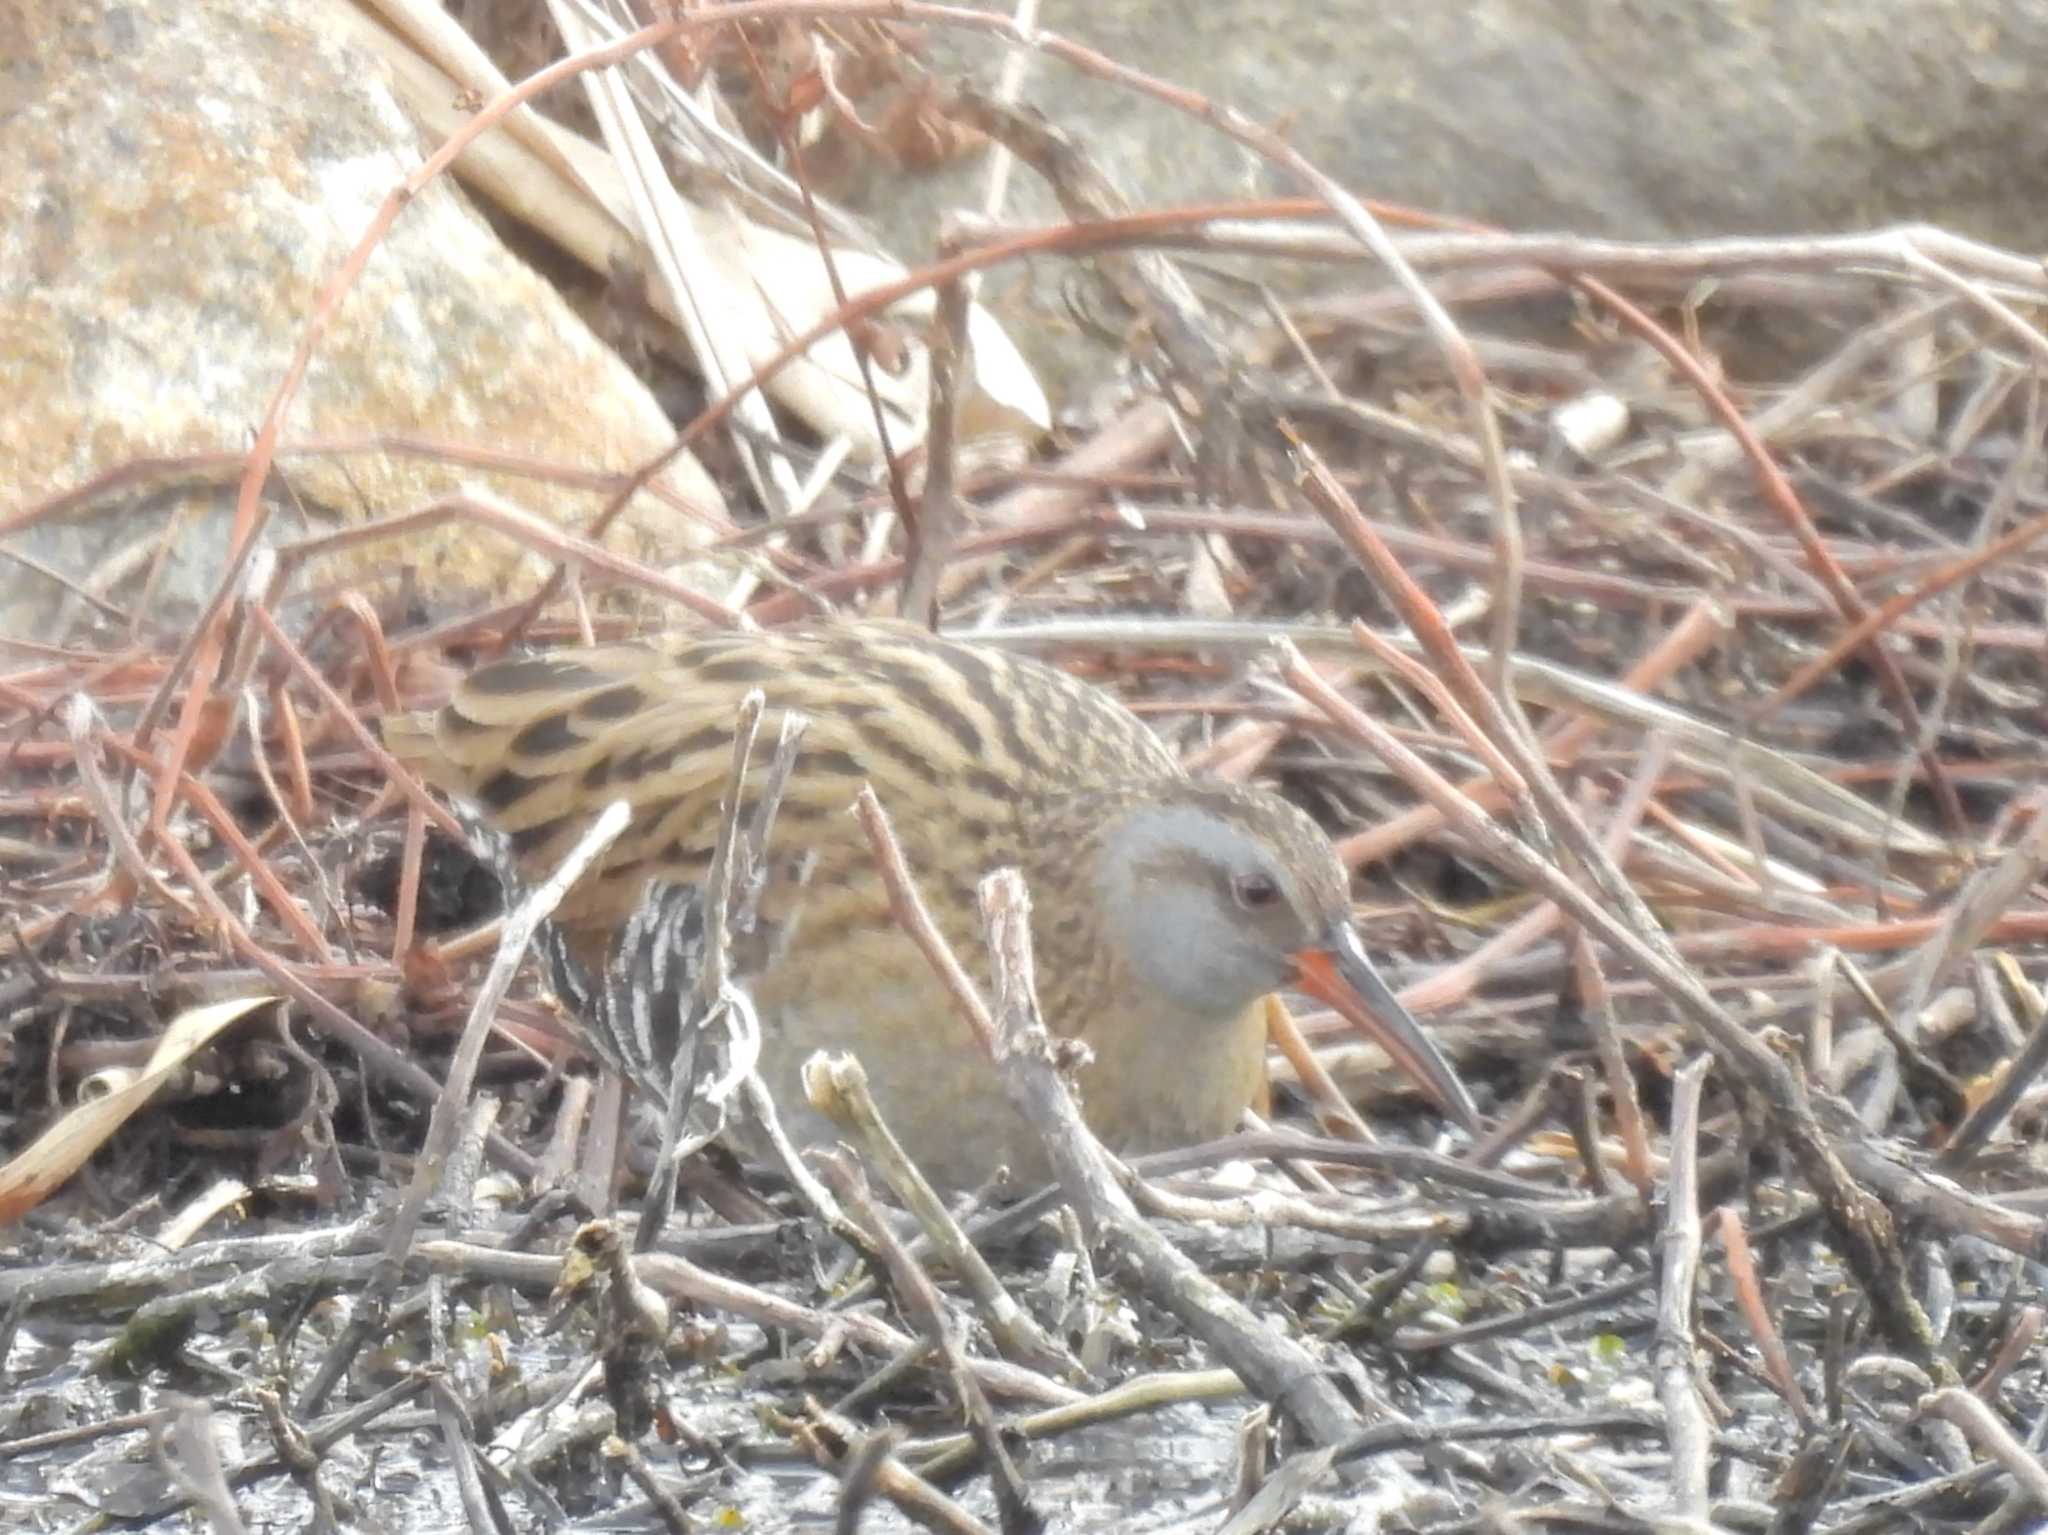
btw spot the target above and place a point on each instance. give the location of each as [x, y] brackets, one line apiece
[1160, 1078]
[1163, 1074]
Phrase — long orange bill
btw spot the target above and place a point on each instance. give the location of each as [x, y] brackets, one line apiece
[1337, 974]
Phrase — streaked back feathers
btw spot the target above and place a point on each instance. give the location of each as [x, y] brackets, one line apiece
[983, 738]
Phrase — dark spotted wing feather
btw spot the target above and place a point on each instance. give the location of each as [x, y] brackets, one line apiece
[955, 738]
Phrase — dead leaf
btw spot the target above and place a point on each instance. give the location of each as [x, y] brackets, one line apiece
[61, 1150]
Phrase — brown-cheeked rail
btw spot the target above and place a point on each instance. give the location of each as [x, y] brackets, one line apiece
[1164, 908]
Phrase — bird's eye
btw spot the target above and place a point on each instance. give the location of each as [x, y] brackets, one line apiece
[1254, 891]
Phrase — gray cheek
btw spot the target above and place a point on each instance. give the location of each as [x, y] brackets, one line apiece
[1183, 949]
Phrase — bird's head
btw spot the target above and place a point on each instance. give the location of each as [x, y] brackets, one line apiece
[1217, 895]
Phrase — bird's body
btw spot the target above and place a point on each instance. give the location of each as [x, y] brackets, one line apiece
[983, 760]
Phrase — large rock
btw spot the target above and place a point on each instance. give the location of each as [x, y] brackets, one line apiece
[1659, 117]
[1651, 119]
[180, 182]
